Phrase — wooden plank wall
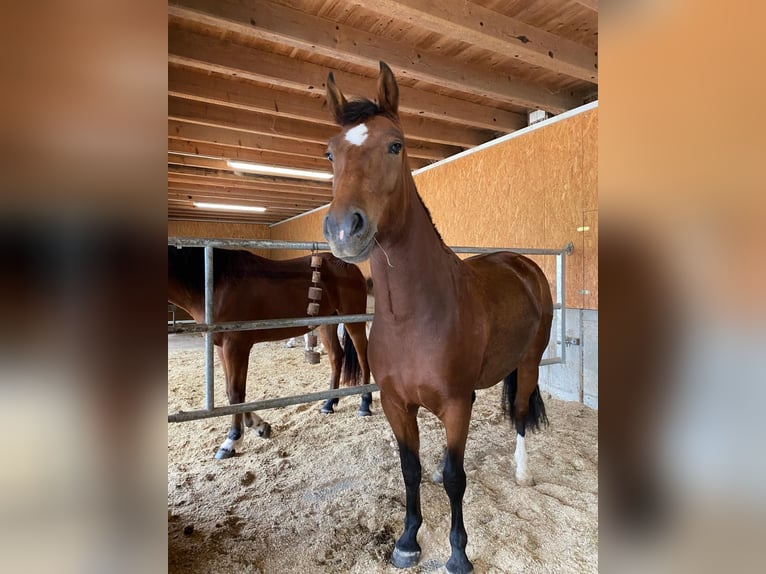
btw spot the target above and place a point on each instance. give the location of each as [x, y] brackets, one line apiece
[535, 190]
[530, 191]
[221, 231]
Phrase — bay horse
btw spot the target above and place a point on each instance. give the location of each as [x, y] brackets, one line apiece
[247, 287]
[428, 303]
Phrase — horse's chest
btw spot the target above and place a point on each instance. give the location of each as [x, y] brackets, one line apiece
[417, 357]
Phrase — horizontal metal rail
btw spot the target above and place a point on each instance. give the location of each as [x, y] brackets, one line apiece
[209, 327]
[182, 416]
[323, 246]
[268, 324]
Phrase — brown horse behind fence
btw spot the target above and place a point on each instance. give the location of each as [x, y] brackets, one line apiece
[443, 327]
[247, 287]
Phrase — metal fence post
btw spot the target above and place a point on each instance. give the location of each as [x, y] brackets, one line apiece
[209, 372]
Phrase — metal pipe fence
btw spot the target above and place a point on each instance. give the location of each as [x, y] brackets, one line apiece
[210, 327]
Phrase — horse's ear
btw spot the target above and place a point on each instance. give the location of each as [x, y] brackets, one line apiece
[335, 99]
[388, 91]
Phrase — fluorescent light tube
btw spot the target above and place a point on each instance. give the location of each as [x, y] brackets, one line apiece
[228, 206]
[273, 170]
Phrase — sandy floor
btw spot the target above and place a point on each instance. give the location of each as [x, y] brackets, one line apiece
[325, 493]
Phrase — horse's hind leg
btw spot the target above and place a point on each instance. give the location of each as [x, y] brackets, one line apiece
[329, 337]
[358, 335]
[527, 411]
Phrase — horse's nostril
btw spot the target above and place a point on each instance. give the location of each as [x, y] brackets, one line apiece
[357, 223]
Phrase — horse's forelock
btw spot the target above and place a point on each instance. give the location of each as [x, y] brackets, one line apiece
[358, 110]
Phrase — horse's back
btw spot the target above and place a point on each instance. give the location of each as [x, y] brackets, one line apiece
[250, 287]
[513, 275]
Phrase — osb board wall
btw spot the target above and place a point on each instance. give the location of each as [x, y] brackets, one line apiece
[590, 263]
[220, 231]
[529, 191]
[535, 190]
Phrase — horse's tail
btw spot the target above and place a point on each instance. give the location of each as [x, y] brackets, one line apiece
[535, 416]
[351, 372]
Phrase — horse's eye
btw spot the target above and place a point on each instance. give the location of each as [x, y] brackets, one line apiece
[395, 148]
[328, 155]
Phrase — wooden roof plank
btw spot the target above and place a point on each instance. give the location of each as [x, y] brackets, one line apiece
[190, 49]
[290, 27]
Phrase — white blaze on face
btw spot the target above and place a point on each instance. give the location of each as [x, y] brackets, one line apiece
[357, 135]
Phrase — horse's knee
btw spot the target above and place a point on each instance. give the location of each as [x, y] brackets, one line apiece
[454, 478]
[411, 469]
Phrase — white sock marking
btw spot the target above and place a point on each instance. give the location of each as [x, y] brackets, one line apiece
[230, 444]
[357, 135]
[522, 460]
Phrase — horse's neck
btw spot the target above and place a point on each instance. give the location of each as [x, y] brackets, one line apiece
[416, 274]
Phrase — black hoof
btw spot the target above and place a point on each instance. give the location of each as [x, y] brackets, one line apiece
[327, 407]
[225, 453]
[363, 413]
[459, 565]
[404, 559]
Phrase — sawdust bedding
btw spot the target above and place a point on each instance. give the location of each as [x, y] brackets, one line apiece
[325, 493]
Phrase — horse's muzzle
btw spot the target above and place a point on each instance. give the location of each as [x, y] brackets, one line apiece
[350, 237]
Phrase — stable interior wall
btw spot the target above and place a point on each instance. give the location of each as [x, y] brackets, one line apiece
[220, 230]
[537, 190]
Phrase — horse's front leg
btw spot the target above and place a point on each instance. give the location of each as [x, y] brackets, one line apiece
[456, 417]
[438, 476]
[331, 344]
[234, 357]
[234, 437]
[403, 421]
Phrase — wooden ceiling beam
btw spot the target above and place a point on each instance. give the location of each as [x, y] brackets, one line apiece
[493, 31]
[221, 217]
[219, 151]
[283, 128]
[203, 133]
[298, 30]
[215, 195]
[245, 154]
[188, 200]
[224, 178]
[197, 186]
[210, 54]
[246, 121]
[177, 212]
[201, 86]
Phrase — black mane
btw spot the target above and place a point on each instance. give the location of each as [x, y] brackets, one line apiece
[428, 213]
[358, 110]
